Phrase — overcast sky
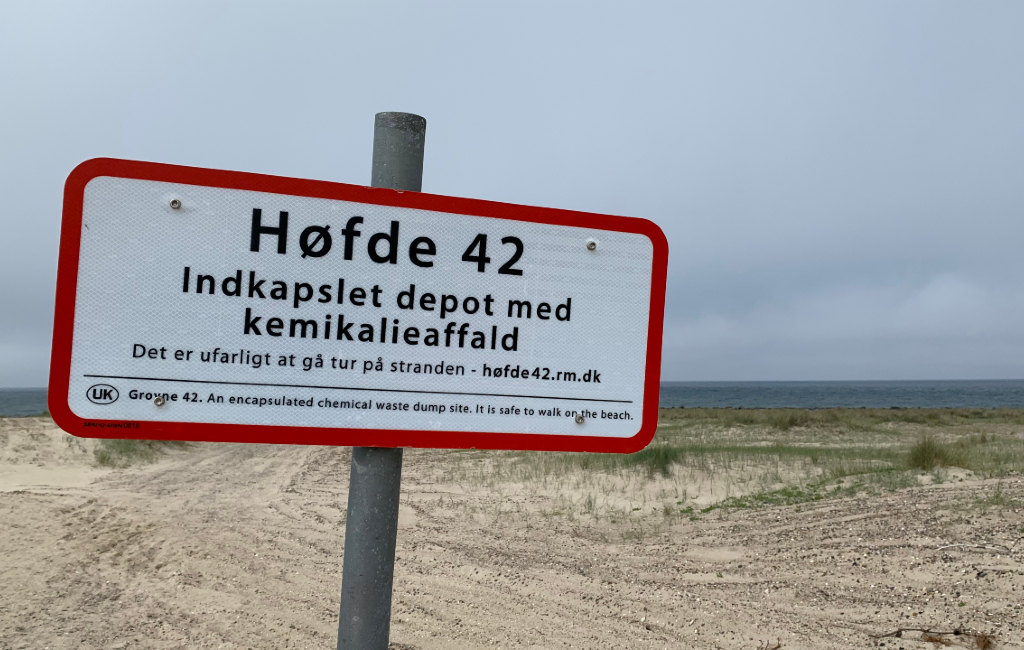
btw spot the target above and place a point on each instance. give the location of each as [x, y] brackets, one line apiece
[841, 184]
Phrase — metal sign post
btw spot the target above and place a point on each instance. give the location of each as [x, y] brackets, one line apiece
[371, 527]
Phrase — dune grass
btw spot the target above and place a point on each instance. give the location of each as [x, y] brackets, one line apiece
[836, 439]
[859, 419]
[989, 442]
[123, 453]
[703, 460]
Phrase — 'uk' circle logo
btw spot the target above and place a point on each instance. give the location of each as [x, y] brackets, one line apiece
[102, 394]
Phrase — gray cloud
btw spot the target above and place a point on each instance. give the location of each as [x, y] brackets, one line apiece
[948, 327]
[839, 183]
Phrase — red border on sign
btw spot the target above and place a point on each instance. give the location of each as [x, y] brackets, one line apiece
[67, 286]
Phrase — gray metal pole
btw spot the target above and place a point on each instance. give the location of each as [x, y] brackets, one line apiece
[398, 151]
[371, 529]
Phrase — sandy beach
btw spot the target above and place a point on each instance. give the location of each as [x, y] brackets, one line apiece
[240, 546]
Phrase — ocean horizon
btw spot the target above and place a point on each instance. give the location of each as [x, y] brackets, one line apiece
[976, 393]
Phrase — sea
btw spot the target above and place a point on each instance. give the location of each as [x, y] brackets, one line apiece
[1002, 393]
[22, 401]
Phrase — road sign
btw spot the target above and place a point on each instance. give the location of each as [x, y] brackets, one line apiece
[195, 304]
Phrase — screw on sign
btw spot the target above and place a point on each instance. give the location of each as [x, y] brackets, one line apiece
[307, 312]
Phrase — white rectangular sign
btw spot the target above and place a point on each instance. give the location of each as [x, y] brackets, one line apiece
[228, 306]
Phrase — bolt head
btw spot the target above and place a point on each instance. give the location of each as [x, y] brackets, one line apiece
[175, 204]
[591, 245]
[159, 401]
[579, 419]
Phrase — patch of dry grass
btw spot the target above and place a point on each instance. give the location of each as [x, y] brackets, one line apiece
[123, 453]
[859, 419]
[705, 461]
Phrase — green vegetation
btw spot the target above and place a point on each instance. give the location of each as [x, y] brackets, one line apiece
[707, 460]
[849, 442]
[840, 442]
[982, 453]
[928, 453]
[861, 419]
[122, 453]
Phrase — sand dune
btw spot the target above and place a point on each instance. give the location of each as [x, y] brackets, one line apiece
[240, 546]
